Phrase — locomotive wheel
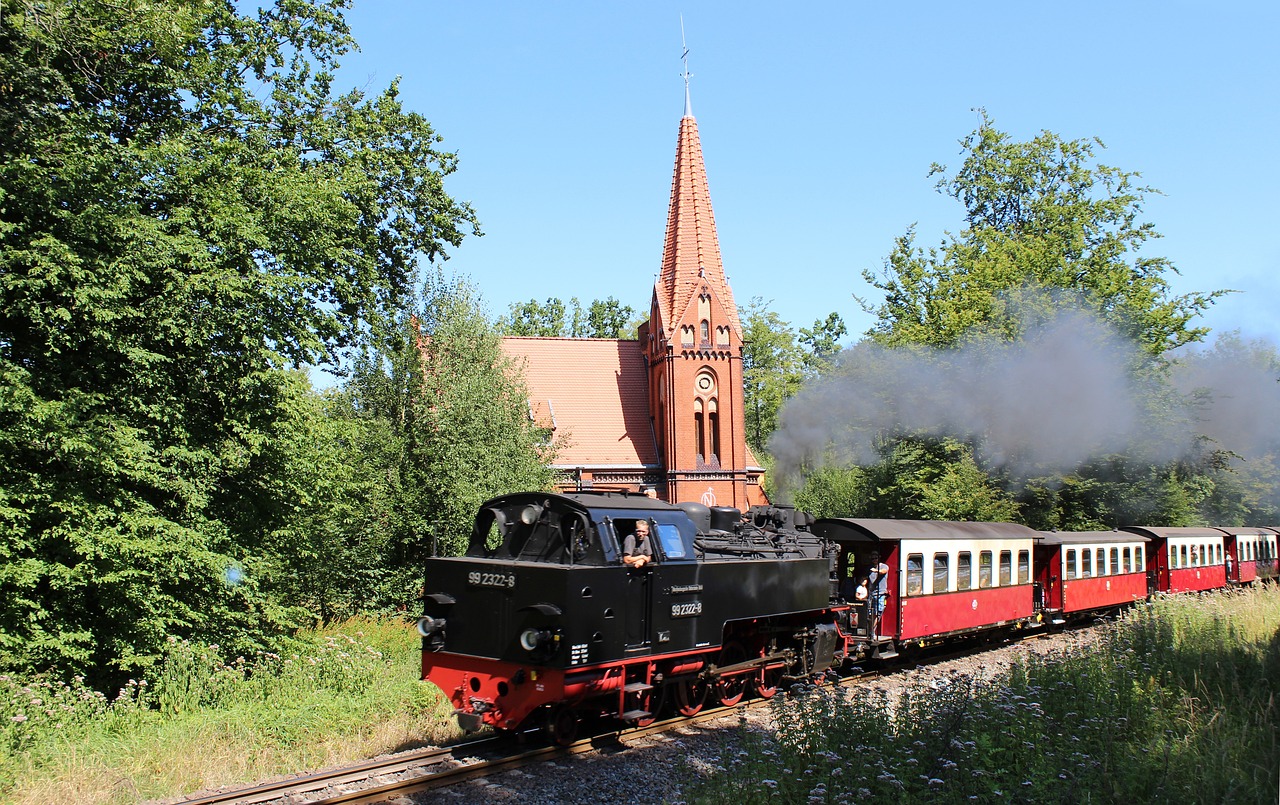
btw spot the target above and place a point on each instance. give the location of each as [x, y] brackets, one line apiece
[691, 694]
[731, 690]
[562, 725]
[765, 685]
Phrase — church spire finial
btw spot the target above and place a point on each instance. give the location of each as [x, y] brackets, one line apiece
[688, 107]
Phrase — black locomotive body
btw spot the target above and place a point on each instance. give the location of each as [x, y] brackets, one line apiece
[541, 620]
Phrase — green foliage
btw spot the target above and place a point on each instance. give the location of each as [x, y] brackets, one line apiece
[606, 318]
[1038, 214]
[823, 341]
[186, 207]
[772, 369]
[458, 426]
[776, 361]
[917, 478]
[327, 541]
[1175, 702]
[834, 491]
[271, 713]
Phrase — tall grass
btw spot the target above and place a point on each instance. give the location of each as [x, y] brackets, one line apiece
[339, 694]
[1175, 702]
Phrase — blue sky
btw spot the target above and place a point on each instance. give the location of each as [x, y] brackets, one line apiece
[819, 124]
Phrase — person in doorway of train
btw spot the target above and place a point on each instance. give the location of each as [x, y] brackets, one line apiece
[637, 551]
[878, 595]
[860, 594]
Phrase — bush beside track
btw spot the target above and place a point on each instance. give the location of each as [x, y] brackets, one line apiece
[1176, 703]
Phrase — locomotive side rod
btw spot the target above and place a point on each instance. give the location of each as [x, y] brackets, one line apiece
[787, 656]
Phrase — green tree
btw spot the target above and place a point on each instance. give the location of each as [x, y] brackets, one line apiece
[458, 410]
[606, 318]
[609, 318]
[534, 318]
[327, 549]
[823, 343]
[186, 207]
[1039, 215]
[773, 367]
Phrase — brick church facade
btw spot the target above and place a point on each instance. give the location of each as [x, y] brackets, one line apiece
[663, 411]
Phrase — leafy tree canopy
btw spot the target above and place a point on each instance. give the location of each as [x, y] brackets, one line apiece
[606, 318]
[1039, 215]
[458, 410]
[776, 361]
[186, 206]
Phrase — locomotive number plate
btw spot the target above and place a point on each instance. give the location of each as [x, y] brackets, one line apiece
[503, 581]
[689, 610]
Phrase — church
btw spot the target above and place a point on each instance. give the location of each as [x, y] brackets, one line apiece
[664, 411]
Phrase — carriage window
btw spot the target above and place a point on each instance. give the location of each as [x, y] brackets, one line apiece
[1126, 566]
[1086, 563]
[1006, 568]
[964, 571]
[1139, 562]
[1071, 563]
[941, 572]
[984, 570]
[1024, 567]
[1101, 555]
[1115, 566]
[1183, 554]
[915, 573]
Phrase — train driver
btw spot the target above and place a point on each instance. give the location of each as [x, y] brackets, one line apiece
[637, 551]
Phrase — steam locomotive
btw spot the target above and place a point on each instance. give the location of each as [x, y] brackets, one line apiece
[541, 624]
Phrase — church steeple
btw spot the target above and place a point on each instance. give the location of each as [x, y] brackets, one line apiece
[691, 254]
[693, 347]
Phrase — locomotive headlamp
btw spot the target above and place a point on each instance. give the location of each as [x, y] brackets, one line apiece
[530, 514]
[432, 631]
[534, 639]
[428, 626]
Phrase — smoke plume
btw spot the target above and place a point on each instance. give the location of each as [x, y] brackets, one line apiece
[1068, 392]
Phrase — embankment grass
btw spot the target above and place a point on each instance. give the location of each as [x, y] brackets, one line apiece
[1176, 702]
[340, 694]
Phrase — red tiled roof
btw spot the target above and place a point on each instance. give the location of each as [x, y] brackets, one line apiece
[691, 254]
[595, 391]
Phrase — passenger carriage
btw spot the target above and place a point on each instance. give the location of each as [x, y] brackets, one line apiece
[945, 578]
[1181, 560]
[1248, 550]
[1088, 571]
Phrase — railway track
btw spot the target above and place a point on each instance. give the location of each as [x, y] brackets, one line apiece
[416, 772]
